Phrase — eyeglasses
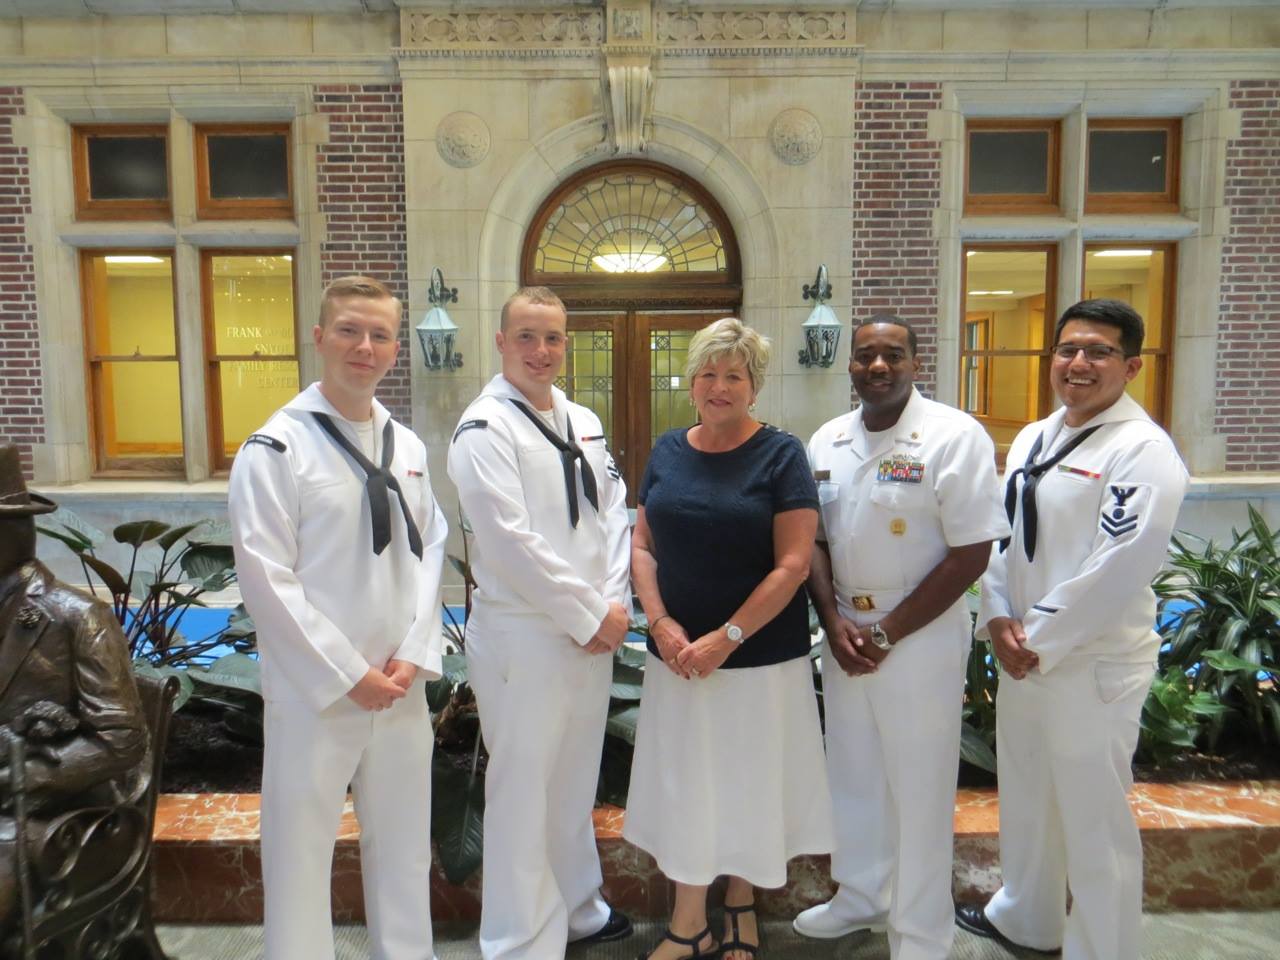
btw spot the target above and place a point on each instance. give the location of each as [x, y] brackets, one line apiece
[1094, 352]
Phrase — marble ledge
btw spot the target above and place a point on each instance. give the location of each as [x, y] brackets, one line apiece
[1207, 846]
[233, 817]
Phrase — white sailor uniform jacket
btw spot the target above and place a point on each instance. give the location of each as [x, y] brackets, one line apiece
[1105, 515]
[894, 504]
[529, 562]
[326, 607]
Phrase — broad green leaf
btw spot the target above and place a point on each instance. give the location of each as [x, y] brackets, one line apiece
[438, 694]
[73, 540]
[622, 723]
[1203, 705]
[240, 624]
[185, 686]
[454, 668]
[110, 576]
[1227, 662]
[235, 671]
[208, 562]
[170, 537]
[974, 749]
[138, 532]
[632, 655]
[627, 682]
[461, 566]
[457, 820]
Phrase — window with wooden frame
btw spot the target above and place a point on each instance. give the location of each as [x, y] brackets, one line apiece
[251, 345]
[1011, 166]
[121, 172]
[1141, 275]
[1006, 329]
[243, 171]
[643, 257]
[131, 361]
[1133, 165]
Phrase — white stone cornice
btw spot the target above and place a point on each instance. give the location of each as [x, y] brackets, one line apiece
[192, 72]
[1075, 65]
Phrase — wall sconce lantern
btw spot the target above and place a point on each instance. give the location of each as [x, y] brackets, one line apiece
[437, 331]
[822, 329]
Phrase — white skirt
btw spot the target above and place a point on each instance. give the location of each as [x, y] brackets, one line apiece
[728, 775]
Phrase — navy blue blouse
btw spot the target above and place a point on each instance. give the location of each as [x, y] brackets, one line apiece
[710, 516]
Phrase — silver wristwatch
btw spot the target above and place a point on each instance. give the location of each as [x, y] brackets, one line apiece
[733, 632]
[879, 637]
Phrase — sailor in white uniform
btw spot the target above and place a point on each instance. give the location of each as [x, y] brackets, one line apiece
[339, 547]
[1093, 492]
[910, 507]
[547, 509]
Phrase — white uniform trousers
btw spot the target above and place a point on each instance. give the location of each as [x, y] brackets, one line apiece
[1065, 742]
[385, 756]
[893, 750]
[543, 702]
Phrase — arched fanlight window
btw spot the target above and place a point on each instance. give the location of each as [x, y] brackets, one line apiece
[631, 222]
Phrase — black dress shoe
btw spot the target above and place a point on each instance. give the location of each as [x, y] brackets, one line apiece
[972, 917]
[617, 927]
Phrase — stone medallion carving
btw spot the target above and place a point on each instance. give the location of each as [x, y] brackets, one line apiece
[462, 139]
[796, 136]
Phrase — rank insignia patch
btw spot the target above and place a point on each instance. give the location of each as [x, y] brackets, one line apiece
[276, 445]
[1121, 515]
[470, 425]
[900, 469]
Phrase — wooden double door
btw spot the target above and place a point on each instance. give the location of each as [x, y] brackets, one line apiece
[628, 366]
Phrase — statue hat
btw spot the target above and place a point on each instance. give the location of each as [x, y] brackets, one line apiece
[15, 501]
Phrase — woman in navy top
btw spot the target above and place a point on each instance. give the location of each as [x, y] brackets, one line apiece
[728, 775]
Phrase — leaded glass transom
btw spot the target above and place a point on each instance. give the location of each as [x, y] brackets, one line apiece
[630, 222]
[587, 377]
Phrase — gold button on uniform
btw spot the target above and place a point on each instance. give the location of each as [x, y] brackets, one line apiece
[897, 526]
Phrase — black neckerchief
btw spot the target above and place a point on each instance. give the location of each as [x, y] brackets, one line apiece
[1033, 472]
[378, 480]
[569, 452]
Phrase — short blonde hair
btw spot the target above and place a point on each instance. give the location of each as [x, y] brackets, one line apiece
[541, 296]
[729, 337]
[354, 286]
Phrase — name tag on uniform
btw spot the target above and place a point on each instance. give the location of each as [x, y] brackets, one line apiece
[900, 469]
[822, 475]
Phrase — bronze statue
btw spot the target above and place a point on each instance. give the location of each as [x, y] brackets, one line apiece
[66, 689]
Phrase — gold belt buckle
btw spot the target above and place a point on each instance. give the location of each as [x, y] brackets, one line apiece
[864, 603]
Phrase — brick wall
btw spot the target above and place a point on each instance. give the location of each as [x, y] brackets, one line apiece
[897, 176]
[1248, 396]
[21, 411]
[360, 173]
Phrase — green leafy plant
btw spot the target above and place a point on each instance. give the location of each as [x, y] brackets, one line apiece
[1226, 637]
[1172, 716]
[149, 601]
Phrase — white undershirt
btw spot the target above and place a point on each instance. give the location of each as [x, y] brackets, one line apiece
[1059, 440]
[549, 418]
[366, 437]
